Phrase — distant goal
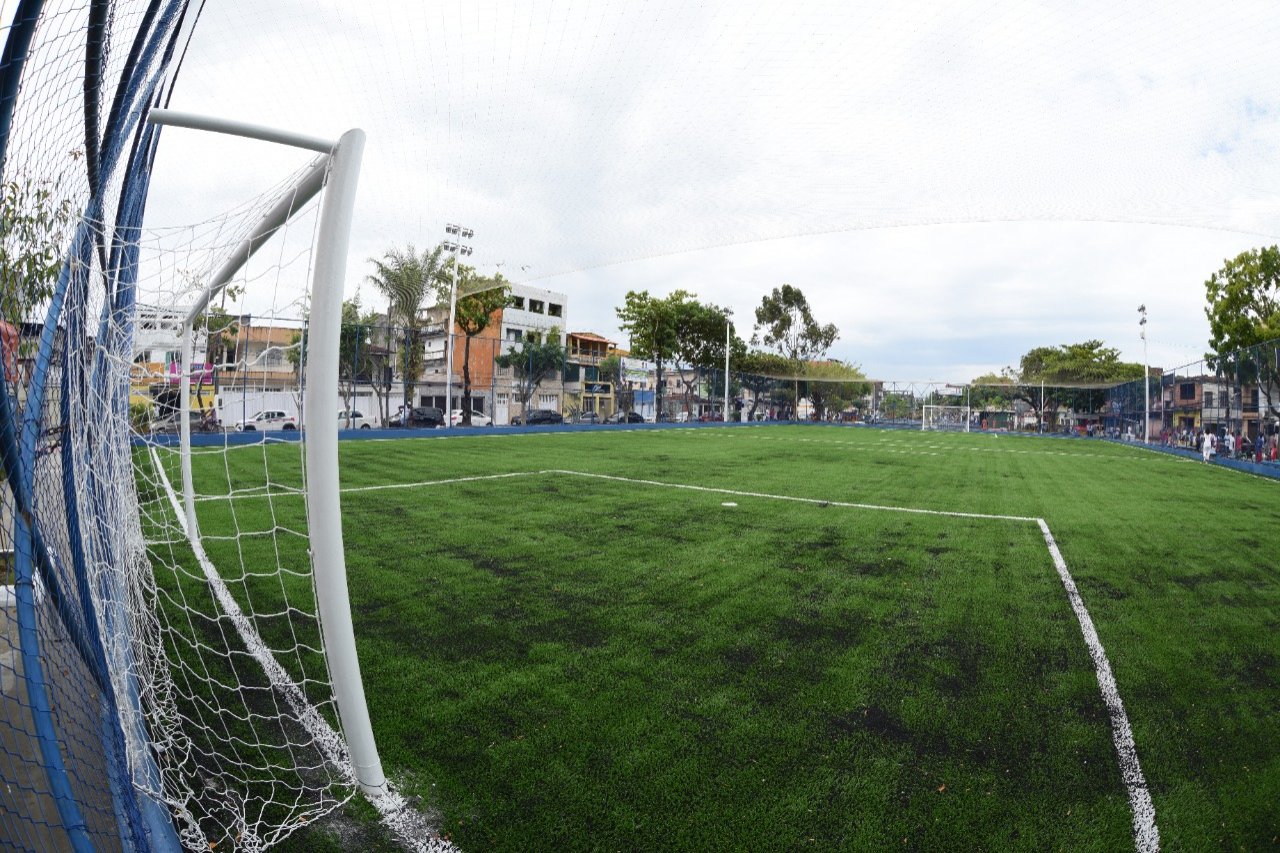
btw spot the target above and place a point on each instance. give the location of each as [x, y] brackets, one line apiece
[951, 418]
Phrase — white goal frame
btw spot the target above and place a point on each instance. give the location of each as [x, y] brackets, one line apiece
[960, 423]
[337, 171]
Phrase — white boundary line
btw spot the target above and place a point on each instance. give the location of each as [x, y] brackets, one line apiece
[1146, 835]
[410, 826]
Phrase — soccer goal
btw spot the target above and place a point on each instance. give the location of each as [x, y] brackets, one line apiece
[177, 652]
[953, 418]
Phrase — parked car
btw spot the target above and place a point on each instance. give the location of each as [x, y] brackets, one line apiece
[267, 420]
[206, 421]
[683, 417]
[538, 416]
[352, 419]
[624, 418]
[477, 419]
[421, 416]
[587, 418]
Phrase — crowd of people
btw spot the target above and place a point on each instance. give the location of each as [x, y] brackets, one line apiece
[1224, 443]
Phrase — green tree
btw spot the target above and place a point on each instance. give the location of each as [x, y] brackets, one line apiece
[1244, 312]
[478, 300]
[833, 385]
[35, 228]
[785, 322]
[406, 277]
[700, 338]
[533, 363]
[1046, 376]
[652, 326]
[992, 392]
[761, 373]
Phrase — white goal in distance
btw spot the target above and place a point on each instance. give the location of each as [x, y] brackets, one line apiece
[954, 418]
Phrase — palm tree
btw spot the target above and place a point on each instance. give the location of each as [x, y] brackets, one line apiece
[406, 278]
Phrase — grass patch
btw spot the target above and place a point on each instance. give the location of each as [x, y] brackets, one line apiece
[578, 664]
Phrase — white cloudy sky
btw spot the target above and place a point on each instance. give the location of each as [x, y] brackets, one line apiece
[950, 183]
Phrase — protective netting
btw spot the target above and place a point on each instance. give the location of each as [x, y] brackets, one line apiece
[164, 672]
[570, 135]
[240, 703]
[1234, 395]
[75, 82]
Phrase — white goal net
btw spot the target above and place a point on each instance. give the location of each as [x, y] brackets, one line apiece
[953, 418]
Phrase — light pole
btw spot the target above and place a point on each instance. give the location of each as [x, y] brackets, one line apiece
[728, 312]
[1146, 377]
[459, 250]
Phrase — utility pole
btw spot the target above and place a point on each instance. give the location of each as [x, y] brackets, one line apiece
[459, 250]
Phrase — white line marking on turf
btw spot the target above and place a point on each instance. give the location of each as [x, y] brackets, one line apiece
[1146, 835]
[409, 825]
[792, 498]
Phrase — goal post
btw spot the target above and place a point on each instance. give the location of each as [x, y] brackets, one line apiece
[336, 171]
[951, 418]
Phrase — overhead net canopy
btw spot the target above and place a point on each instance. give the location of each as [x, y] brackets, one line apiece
[572, 135]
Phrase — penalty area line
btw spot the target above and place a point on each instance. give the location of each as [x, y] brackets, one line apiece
[1146, 835]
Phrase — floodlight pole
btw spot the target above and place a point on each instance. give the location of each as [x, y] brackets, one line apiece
[459, 233]
[727, 327]
[1146, 378]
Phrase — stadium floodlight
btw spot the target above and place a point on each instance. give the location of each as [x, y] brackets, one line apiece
[459, 251]
[1146, 377]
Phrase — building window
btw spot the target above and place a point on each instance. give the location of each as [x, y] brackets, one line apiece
[547, 401]
[517, 302]
[514, 335]
[555, 310]
[536, 306]
[1208, 399]
[1187, 391]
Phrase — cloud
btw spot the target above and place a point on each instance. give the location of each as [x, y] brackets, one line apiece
[640, 145]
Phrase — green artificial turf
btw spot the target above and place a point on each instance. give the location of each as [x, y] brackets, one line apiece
[563, 662]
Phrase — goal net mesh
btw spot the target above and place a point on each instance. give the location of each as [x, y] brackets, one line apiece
[164, 676]
[956, 418]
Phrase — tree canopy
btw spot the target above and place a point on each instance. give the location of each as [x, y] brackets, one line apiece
[1244, 312]
[785, 322]
[478, 299]
[535, 361]
[34, 229]
[406, 277]
[1087, 362]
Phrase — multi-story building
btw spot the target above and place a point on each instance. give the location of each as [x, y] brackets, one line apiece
[585, 389]
[534, 312]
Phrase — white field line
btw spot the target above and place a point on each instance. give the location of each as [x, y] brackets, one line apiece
[1146, 835]
[792, 498]
[256, 493]
[411, 828]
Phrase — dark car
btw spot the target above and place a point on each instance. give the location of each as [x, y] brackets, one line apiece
[421, 416]
[206, 421]
[540, 416]
[624, 418]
